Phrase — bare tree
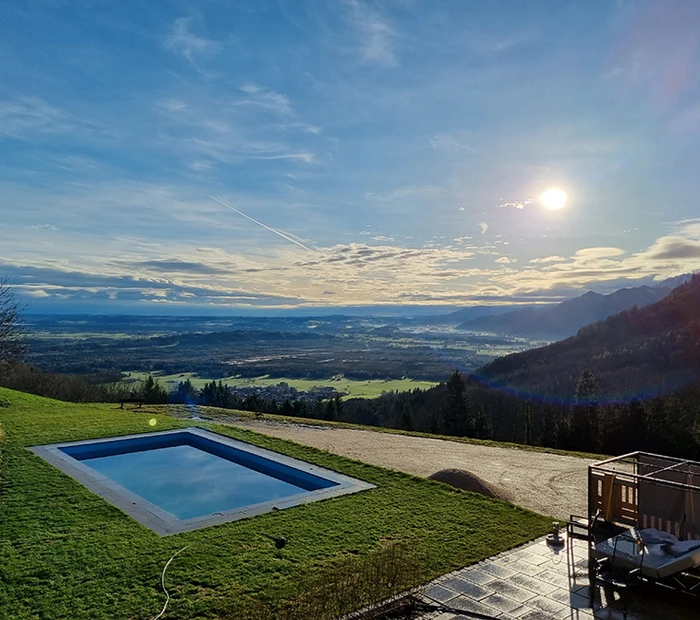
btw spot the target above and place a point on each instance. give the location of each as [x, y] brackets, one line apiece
[13, 336]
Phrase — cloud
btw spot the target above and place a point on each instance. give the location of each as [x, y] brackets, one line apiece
[230, 130]
[285, 275]
[599, 252]
[521, 204]
[265, 98]
[493, 44]
[674, 248]
[37, 293]
[181, 40]
[376, 37]
[27, 117]
[301, 127]
[484, 227]
[174, 266]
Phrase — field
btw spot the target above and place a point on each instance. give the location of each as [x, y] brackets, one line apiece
[351, 387]
[65, 553]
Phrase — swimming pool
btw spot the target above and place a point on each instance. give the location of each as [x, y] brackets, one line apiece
[182, 480]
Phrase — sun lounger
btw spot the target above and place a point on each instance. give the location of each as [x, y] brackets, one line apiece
[657, 554]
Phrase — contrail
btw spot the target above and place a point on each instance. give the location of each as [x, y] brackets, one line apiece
[272, 230]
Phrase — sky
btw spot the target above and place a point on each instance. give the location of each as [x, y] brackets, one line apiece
[289, 154]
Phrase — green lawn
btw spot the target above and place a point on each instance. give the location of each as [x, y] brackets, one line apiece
[353, 388]
[65, 553]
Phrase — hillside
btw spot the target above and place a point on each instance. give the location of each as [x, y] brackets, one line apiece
[67, 553]
[565, 319]
[638, 351]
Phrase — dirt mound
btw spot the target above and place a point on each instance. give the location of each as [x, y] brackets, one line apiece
[466, 481]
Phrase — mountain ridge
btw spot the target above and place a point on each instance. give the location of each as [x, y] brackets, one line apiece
[640, 350]
[566, 318]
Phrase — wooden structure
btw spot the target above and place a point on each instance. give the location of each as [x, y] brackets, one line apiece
[646, 490]
[638, 491]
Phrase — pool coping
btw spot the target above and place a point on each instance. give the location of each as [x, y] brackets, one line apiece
[166, 524]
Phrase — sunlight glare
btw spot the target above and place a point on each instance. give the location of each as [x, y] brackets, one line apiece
[553, 199]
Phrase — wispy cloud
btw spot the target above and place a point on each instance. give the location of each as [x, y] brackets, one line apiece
[495, 43]
[302, 127]
[227, 130]
[264, 98]
[484, 227]
[520, 204]
[26, 116]
[376, 36]
[181, 40]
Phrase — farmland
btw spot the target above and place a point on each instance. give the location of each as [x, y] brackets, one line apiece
[350, 387]
[370, 354]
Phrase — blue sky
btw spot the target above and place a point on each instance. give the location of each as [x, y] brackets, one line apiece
[387, 152]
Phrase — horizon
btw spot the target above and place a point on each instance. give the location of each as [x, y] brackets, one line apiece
[307, 157]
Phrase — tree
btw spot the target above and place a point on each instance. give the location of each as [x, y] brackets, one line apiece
[528, 424]
[407, 416]
[13, 337]
[584, 423]
[457, 414]
[185, 393]
[153, 393]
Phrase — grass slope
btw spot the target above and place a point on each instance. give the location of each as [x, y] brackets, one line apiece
[65, 553]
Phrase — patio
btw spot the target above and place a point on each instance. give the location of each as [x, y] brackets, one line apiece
[536, 582]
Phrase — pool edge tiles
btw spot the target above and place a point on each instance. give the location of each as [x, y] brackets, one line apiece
[164, 523]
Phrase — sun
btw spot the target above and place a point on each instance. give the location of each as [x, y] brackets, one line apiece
[553, 199]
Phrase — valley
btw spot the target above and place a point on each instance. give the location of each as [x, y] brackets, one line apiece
[238, 349]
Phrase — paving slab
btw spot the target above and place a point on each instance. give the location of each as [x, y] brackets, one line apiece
[509, 587]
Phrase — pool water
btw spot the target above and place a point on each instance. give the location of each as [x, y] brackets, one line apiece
[188, 482]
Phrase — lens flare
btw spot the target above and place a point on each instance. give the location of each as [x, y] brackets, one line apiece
[152, 422]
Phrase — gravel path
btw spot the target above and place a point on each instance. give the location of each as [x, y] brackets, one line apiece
[546, 483]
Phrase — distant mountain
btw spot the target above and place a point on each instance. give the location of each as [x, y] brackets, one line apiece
[467, 314]
[565, 319]
[638, 351]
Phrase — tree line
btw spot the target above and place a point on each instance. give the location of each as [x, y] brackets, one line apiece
[463, 406]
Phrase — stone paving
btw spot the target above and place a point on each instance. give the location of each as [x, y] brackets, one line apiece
[535, 582]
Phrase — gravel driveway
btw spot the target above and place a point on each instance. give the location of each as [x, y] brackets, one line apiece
[546, 483]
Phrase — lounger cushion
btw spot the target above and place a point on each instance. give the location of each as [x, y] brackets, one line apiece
[681, 547]
[652, 536]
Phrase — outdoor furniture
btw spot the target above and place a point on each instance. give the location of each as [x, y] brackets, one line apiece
[620, 570]
[130, 401]
[656, 501]
[663, 554]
